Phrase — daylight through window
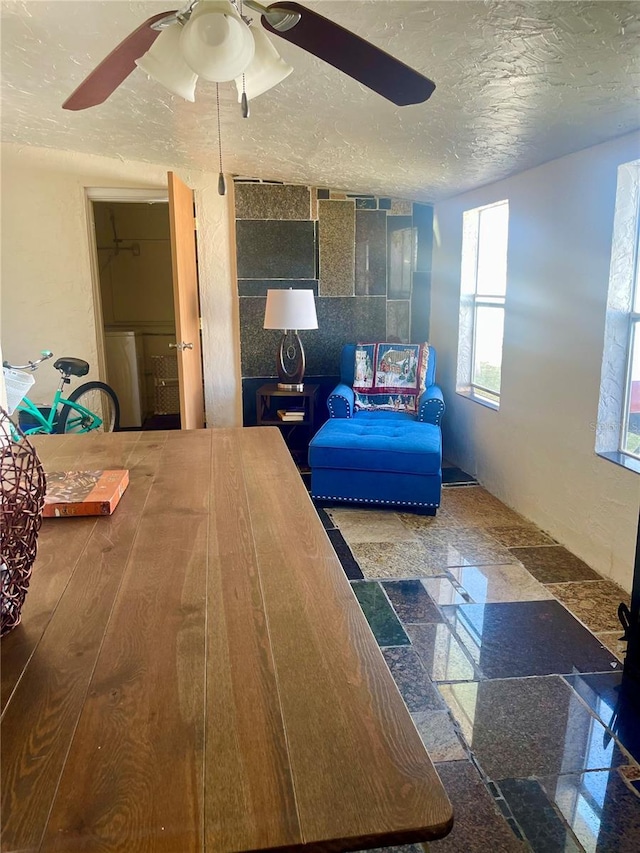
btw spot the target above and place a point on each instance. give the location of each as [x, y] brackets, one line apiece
[618, 424]
[483, 289]
[630, 434]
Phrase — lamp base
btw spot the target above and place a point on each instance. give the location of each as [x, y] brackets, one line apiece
[287, 386]
[290, 362]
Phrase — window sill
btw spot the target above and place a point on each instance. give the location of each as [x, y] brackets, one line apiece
[476, 398]
[622, 460]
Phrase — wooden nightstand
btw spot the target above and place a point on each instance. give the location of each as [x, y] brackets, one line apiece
[297, 434]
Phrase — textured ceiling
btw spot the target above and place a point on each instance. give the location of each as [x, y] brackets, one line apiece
[518, 84]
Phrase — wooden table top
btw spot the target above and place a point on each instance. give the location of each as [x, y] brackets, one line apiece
[194, 672]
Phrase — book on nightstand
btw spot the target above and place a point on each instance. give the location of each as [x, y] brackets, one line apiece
[291, 414]
[72, 493]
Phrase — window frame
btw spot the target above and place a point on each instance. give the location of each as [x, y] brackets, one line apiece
[620, 319]
[470, 301]
[633, 340]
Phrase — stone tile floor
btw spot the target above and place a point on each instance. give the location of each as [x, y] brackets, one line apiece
[505, 648]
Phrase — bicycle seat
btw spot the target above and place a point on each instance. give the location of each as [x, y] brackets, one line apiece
[72, 366]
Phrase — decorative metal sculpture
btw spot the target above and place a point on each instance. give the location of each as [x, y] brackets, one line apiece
[22, 488]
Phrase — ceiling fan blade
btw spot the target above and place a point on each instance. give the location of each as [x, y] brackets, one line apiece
[351, 54]
[115, 68]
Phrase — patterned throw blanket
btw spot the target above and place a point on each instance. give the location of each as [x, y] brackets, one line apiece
[390, 376]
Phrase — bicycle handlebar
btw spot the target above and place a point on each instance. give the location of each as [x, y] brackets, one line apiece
[30, 365]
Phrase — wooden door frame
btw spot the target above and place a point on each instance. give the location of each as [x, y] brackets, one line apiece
[131, 195]
[186, 294]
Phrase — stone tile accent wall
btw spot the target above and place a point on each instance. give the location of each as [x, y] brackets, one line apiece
[371, 251]
[275, 248]
[339, 322]
[401, 254]
[272, 201]
[259, 287]
[336, 243]
[420, 304]
[367, 259]
[257, 345]
[421, 290]
[398, 318]
[400, 207]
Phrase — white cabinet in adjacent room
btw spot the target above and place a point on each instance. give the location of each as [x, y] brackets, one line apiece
[124, 363]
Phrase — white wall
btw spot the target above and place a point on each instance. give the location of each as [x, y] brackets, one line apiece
[537, 452]
[47, 298]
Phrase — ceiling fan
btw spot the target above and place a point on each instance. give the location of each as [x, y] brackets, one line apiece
[214, 40]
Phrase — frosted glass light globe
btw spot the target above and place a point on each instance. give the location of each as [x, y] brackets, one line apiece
[216, 43]
[266, 70]
[163, 62]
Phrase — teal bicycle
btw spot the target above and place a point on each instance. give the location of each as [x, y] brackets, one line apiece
[92, 407]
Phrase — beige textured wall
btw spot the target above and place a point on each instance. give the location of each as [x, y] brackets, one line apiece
[47, 299]
[537, 453]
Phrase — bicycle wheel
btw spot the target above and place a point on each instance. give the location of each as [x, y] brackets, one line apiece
[99, 400]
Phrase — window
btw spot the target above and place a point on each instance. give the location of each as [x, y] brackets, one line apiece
[630, 432]
[483, 288]
[618, 425]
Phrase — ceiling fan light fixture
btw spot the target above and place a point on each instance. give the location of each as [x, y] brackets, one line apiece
[266, 70]
[163, 62]
[216, 43]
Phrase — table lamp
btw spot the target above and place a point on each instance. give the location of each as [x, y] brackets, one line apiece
[290, 310]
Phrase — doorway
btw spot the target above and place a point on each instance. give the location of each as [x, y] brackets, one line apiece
[133, 245]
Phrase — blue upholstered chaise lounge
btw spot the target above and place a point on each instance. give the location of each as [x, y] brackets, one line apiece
[383, 458]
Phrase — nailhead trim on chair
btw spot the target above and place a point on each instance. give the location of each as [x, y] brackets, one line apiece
[430, 404]
[332, 414]
[372, 501]
[421, 417]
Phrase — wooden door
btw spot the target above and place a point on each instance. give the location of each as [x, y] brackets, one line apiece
[187, 305]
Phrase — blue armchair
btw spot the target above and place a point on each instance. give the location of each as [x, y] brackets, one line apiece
[379, 457]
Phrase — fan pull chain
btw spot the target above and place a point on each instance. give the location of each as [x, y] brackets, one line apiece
[244, 101]
[221, 184]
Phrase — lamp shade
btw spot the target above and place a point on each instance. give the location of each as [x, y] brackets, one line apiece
[164, 63]
[290, 309]
[266, 70]
[215, 42]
